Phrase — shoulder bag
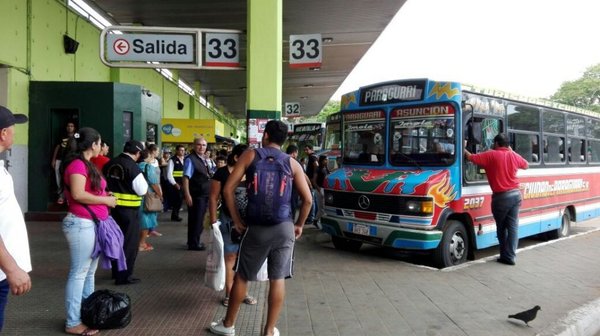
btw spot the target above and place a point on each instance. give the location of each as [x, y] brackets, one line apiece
[152, 202]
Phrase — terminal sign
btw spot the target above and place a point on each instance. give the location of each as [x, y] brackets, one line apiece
[178, 48]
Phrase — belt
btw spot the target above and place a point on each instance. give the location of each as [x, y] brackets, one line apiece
[502, 193]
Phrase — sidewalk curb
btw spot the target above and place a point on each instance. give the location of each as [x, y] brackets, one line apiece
[583, 321]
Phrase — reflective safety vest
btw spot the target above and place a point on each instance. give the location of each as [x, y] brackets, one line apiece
[120, 173]
[177, 169]
[128, 200]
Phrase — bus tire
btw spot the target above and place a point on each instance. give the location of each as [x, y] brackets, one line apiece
[454, 246]
[344, 244]
[564, 230]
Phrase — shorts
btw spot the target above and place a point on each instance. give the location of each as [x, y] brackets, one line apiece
[275, 242]
[229, 246]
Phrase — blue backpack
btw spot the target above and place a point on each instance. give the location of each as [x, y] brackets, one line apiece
[269, 180]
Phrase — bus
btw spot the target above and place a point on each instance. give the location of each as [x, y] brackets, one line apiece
[307, 133]
[404, 182]
[332, 146]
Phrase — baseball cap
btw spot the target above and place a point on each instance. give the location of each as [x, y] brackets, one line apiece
[133, 146]
[7, 118]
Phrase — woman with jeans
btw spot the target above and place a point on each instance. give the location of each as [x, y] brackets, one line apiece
[84, 186]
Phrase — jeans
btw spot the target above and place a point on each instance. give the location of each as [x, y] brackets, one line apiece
[312, 215]
[3, 300]
[505, 208]
[81, 236]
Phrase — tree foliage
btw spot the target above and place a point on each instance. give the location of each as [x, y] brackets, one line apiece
[583, 92]
[331, 107]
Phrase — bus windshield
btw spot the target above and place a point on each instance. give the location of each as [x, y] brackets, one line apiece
[364, 138]
[422, 141]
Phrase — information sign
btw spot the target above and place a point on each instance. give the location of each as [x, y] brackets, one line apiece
[305, 51]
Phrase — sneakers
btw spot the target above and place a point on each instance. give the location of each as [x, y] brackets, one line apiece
[219, 329]
[275, 332]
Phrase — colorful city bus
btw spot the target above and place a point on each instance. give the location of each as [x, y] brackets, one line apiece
[307, 133]
[332, 146]
[404, 182]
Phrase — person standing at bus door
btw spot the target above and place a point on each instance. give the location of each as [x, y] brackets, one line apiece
[311, 171]
[126, 181]
[15, 260]
[175, 178]
[321, 175]
[501, 164]
[61, 149]
[196, 188]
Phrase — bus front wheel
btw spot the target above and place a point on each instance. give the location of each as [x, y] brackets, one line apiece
[454, 246]
[345, 244]
[564, 229]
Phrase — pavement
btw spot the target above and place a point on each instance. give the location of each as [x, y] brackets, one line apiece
[335, 292]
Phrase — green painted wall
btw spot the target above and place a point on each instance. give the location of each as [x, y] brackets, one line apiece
[13, 25]
[18, 100]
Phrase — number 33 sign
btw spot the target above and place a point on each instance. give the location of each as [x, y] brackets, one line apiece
[222, 50]
[305, 50]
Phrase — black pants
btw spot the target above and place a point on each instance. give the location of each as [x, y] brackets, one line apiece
[175, 200]
[128, 219]
[196, 220]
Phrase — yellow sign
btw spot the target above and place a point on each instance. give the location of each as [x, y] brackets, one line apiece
[186, 130]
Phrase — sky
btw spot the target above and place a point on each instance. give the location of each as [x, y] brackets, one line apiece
[526, 47]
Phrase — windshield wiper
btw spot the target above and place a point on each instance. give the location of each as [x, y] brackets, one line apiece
[411, 160]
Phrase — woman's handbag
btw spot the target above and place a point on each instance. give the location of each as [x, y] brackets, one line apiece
[152, 202]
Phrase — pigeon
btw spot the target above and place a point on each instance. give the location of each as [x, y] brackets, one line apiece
[526, 316]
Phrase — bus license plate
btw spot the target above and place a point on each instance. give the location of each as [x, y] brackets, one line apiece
[360, 229]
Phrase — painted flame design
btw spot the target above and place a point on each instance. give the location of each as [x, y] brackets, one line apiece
[347, 99]
[440, 89]
[442, 192]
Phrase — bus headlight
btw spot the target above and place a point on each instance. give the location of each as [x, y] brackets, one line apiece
[425, 207]
[328, 198]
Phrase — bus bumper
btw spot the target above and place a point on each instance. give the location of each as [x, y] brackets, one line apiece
[383, 235]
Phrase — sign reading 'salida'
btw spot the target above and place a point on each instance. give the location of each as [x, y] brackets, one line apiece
[166, 47]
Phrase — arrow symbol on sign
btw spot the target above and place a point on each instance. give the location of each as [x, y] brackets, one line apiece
[121, 46]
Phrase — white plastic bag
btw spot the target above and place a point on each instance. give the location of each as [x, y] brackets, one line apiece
[214, 277]
[263, 273]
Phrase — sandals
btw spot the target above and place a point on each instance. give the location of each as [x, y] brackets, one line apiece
[145, 247]
[86, 332]
[249, 300]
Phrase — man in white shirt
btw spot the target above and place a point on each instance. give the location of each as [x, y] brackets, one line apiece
[15, 261]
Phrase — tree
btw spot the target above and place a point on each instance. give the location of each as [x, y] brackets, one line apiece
[331, 107]
[583, 92]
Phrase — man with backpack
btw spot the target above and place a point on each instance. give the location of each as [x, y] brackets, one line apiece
[269, 229]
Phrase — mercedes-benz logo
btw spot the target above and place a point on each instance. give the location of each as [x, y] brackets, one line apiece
[364, 202]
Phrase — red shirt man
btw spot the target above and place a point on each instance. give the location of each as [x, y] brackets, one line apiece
[501, 165]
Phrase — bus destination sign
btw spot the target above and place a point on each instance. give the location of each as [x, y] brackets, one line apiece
[394, 92]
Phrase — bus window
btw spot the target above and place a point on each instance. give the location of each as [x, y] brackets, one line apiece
[576, 150]
[594, 151]
[527, 145]
[554, 149]
[487, 129]
[364, 142]
[417, 141]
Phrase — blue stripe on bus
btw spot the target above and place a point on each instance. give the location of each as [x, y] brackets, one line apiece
[415, 244]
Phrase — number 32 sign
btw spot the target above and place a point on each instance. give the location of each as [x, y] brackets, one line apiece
[222, 50]
[305, 50]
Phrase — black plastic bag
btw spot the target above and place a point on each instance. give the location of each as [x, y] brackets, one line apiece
[106, 309]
